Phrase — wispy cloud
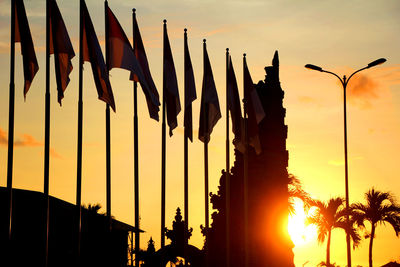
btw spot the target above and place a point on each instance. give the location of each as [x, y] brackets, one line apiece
[364, 89]
[307, 99]
[26, 140]
[341, 161]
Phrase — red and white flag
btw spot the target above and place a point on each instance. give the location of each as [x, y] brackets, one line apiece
[170, 90]
[255, 110]
[119, 52]
[152, 97]
[23, 35]
[92, 53]
[210, 112]
[61, 47]
[190, 91]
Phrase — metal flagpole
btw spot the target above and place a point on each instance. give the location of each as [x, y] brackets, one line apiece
[108, 141]
[79, 150]
[186, 167]
[163, 150]
[136, 154]
[206, 140]
[11, 123]
[227, 179]
[47, 133]
[245, 180]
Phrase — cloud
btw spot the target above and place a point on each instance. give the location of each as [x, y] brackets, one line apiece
[362, 91]
[307, 100]
[341, 161]
[26, 140]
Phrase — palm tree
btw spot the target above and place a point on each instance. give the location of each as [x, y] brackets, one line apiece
[380, 208]
[328, 216]
[295, 190]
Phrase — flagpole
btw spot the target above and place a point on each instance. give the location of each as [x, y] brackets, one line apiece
[108, 141]
[11, 123]
[206, 140]
[47, 133]
[186, 166]
[163, 152]
[245, 186]
[136, 153]
[79, 149]
[227, 179]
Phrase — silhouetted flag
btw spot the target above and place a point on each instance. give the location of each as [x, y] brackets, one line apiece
[255, 111]
[152, 97]
[170, 85]
[23, 35]
[190, 92]
[119, 52]
[92, 53]
[209, 109]
[61, 47]
[234, 107]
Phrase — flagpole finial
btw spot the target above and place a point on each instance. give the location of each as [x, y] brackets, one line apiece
[227, 50]
[185, 30]
[244, 55]
[204, 40]
[165, 21]
[133, 10]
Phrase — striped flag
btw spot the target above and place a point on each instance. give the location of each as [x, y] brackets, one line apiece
[255, 111]
[170, 90]
[210, 112]
[23, 35]
[190, 92]
[152, 97]
[61, 47]
[92, 53]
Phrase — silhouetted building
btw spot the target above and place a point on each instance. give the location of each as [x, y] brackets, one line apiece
[171, 252]
[99, 247]
[269, 242]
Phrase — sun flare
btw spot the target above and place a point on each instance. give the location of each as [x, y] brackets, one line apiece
[299, 232]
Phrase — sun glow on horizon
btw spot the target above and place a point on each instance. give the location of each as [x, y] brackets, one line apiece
[299, 231]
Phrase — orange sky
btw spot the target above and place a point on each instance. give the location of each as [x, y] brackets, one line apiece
[341, 36]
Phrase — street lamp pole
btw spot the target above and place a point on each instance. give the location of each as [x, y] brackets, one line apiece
[344, 83]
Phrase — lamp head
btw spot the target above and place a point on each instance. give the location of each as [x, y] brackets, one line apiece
[376, 62]
[313, 67]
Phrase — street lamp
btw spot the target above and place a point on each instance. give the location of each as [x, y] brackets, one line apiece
[344, 83]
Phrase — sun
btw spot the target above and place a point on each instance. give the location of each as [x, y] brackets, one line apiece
[299, 232]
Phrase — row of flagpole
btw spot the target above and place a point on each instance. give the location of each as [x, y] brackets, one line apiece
[119, 53]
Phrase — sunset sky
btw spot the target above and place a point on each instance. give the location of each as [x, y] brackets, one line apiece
[340, 36]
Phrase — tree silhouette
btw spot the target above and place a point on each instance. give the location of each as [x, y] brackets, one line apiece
[329, 216]
[380, 208]
[296, 191]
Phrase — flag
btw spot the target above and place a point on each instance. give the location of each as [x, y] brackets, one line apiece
[210, 112]
[152, 97]
[190, 92]
[170, 90]
[234, 107]
[23, 35]
[119, 52]
[255, 111]
[61, 47]
[92, 53]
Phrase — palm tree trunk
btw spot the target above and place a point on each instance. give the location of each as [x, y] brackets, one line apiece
[328, 253]
[371, 241]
